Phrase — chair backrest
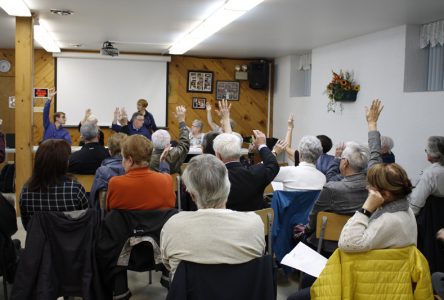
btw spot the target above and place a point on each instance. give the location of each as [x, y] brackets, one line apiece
[177, 185]
[429, 221]
[329, 226]
[85, 180]
[290, 208]
[250, 280]
[102, 198]
[267, 216]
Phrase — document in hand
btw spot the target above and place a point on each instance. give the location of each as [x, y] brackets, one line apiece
[305, 259]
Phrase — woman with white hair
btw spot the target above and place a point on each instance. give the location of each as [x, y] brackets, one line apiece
[387, 145]
[212, 234]
[196, 134]
[305, 176]
[431, 182]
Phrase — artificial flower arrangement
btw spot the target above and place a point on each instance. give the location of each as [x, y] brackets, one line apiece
[341, 88]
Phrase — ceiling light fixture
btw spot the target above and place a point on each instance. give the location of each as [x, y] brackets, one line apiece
[15, 8]
[42, 36]
[227, 13]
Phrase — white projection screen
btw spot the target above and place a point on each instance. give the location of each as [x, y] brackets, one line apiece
[103, 83]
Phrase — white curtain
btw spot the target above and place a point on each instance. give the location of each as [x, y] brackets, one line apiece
[305, 62]
[435, 76]
[432, 34]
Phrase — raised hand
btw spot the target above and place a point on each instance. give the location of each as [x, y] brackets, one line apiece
[372, 114]
[280, 147]
[290, 122]
[180, 113]
[259, 138]
[224, 109]
[208, 107]
[51, 93]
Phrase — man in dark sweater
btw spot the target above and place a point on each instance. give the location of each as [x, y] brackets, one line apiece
[90, 156]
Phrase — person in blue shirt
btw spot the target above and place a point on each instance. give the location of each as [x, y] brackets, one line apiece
[136, 126]
[54, 130]
[148, 122]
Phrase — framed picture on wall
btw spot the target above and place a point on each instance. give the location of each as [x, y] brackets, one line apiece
[200, 82]
[199, 103]
[228, 90]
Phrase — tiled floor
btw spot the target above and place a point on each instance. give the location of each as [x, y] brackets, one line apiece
[141, 290]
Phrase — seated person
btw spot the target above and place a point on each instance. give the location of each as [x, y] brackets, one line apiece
[348, 195]
[91, 119]
[161, 139]
[305, 176]
[111, 166]
[196, 134]
[207, 142]
[247, 184]
[54, 130]
[191, 236]
[324, 159]
[91, 155]
[50, 188]
[135, 126]
[8, 227]
[386, 149]
[2, 145]
[385, 220]
[438, 277]
[431, 182]
[140, 188]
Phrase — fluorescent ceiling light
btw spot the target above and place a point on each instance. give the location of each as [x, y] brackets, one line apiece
[15, 8]
[45, 40]
[230, 11]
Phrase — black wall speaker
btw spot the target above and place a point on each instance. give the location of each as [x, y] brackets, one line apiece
[258, 75]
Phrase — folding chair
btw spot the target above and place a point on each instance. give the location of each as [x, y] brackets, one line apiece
[85, 180]
[329, 226]
[267, 216]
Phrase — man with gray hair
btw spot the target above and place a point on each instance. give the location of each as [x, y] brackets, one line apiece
[91, 155]
[213, 234]
[161, 139]
[349, 194]
[305, 176]
[247, 183]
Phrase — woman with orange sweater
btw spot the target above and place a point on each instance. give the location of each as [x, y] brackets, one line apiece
[140, 188]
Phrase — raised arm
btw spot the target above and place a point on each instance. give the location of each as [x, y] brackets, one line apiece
[374, 137]
[288, 138]
[213, 125]
[224, 112]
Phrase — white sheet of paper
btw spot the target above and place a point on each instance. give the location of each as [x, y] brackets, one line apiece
[305, 259]
[277, 186]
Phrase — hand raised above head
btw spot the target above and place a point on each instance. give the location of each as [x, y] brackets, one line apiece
[208, 106]
[259, 138]
[224, 109]
[372, 113]
[290, 122]
[51, 93]
[180, 112]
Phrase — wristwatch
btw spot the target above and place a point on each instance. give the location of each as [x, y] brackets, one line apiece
[365, 212]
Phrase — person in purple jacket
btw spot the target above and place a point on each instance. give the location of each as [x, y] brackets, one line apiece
[54, 130]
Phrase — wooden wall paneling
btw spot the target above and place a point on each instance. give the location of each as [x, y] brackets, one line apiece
[249, 113]
[24, 63]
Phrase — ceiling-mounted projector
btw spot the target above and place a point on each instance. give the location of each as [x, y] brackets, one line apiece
[109, 49]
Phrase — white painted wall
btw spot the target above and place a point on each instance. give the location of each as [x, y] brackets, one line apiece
[378, 63]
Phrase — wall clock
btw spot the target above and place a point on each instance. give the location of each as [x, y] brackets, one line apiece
[5, 66]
